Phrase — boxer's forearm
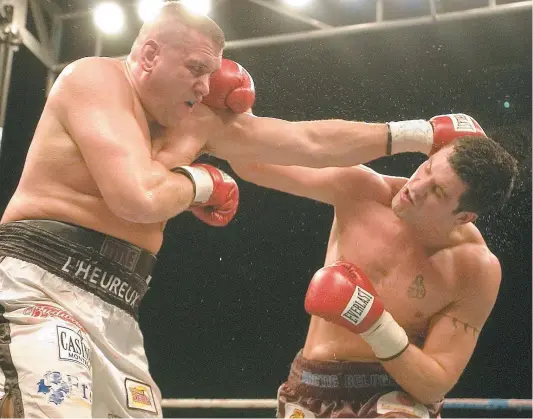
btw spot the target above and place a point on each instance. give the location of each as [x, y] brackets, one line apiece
[266, 175]
[159, 196]
[420, 375]
[341, 143]
[311, 143]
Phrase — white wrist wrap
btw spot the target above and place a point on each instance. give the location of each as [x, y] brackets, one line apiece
[386, 338]
[416, 135]
[201, 180]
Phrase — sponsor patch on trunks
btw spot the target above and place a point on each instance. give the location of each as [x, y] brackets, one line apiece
[73, 346]
[139, 396]
[47, 310]
[400, 402]
[56, 387]
[294, 411]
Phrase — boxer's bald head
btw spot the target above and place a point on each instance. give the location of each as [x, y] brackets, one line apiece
[172, 25]
[171, 61]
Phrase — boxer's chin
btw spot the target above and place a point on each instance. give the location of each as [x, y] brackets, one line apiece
[396, 206]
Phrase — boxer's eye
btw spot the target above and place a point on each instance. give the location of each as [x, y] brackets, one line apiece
[196, 70]
[439, 192]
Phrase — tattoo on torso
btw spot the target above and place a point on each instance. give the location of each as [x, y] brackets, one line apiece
[417, 288]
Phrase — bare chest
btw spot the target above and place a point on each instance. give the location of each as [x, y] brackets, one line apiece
[413, 283]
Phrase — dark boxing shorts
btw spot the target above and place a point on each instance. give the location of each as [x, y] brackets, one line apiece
[317, 389]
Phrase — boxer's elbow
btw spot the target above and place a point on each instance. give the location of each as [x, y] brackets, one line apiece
[136, 204]
[432, 392]
[133, 207]
[246, 170]
[429, 396]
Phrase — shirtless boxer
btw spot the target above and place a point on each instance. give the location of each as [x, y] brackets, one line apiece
[110, 163]
[407, 285]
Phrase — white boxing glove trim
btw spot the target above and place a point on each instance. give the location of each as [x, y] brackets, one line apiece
[386, 337]
[415, 135]
[201, 180]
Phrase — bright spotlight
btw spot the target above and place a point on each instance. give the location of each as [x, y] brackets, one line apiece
[200, 7]
[109, 18]
[148, 9]
[297, 3]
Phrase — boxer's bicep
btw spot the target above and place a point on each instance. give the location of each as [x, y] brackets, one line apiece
[95, 110]
[317, 184]
[330, 185]
[454, 332]
[266, 140]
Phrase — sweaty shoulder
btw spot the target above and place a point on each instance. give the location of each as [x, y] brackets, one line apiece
[379, 187]
[92, 78]
[478, 267]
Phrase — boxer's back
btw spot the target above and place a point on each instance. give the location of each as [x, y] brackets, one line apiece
[413, 282]
[56, 183]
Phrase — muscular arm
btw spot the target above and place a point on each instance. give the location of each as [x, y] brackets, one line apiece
[429, 373]
[329, 185]
[322, 143]
[95, 104]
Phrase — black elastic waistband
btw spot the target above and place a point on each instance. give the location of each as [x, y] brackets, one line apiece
[115, 270]
[337, 378]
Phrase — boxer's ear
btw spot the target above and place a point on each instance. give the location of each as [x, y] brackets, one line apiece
[463, 217]
[149, 55]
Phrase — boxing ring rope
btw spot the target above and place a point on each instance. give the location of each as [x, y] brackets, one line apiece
[481, 404]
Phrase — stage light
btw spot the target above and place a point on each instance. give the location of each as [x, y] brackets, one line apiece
[201, 7]
[109, 18]
[297, 3]
[147, 9]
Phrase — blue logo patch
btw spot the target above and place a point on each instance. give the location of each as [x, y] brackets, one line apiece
[58, 387]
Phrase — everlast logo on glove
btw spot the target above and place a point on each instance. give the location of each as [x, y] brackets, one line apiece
[358, 307]
[462, 122]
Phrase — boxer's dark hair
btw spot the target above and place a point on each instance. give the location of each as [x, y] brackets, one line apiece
[488, 171]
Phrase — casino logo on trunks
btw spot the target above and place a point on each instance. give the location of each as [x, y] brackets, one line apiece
[139, 396]
[73, 346]
[110, 283]
[46, 310]
[358, 307]
[57, 387]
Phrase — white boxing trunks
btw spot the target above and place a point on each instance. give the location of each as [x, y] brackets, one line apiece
[70, 344]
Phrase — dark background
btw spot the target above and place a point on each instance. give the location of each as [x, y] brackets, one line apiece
[224, 317]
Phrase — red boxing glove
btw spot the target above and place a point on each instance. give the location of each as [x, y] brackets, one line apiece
[331, 292]
[430, 136]
[231, 87]
[447, 128]
[216, 196]
[342, 294]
